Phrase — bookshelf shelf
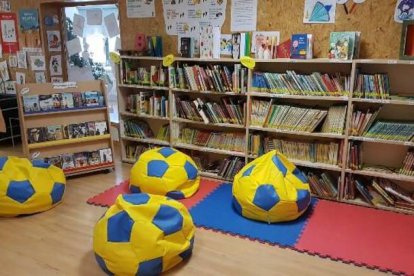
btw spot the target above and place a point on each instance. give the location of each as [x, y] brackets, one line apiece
[64, 142]
[136, 86]
[381, 207]
[74, 110]
[146, 140]
[181, 120]
[88, 169]
[382, 141]
[373, 150]
[298, 97]
[212, 175]
[205, 149]
[299, 133]
[129, 114]
[142, 58]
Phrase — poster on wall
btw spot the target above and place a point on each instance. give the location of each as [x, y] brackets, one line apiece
[111, 24]
[37, 63]
[141, 8]
[22, 60]
[55, 65]
[4, 71]
[78, 25]
[5, 6]
[191, 14]
[319, 11]
[404, 10]
[29, 27]
[8, 23]
[40, 77]
[20, 78]
[242, 21]
[94, 17]
[53, 41]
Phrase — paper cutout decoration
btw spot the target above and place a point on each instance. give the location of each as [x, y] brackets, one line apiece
[114, 57]
[78, 25]
[94, 17]
[319, 11]
[404, 10]
[74, 46]
[341, 2]
[40, 77]
[359, 1]
[168, 60]
[248, 62]
[21, 60]
[51, 20]
[4, 71]
[111, 24]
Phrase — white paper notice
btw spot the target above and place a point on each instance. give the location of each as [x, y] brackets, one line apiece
[140, 8]
[74, 46]
[118, 44]
[111, 25]
[243, 15]
[94, 17]
[78, 25]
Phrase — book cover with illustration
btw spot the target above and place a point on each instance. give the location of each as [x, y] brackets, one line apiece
[94, 158]
[101, 128]
[81, 159]
[106, 155]
[341, 45]
[91, 98]
[45, 102]
[67, 100]
[206, 42]
[264, 44]
[54, 133]
[91, 129]
[57, 101]
[54, 161]
[31, 103]
[301, 47]
[37, 135]
[78, 99]
[68, 161]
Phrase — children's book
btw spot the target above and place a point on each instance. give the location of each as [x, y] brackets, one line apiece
[101, 128]
[283, 49]
[54, 161]
[78, 99]
[186, 47]
[206, 42]
[264, 44]
[36, 135]
[91, 98]
[57, 101]
[81, 159]
[68, 161]
[94, 158]
[67, 100]
[106, 155]
[45, 102]
[91, 129]
[236, 45]
[54, 133]
[301, 47]
[31, 103]
[344, 45]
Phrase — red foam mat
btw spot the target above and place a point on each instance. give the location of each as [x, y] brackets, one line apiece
[365, 236]
[108, 197]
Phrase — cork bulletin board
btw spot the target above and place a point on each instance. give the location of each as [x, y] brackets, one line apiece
[374, 18]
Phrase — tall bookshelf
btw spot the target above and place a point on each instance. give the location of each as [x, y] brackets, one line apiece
[374, 151]
[65, 117]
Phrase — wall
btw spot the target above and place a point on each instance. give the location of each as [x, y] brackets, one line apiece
[374, 18]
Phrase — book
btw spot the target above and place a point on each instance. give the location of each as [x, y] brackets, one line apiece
[335, 120]
[187, 47]
[372, 86]
[232, 141]
[343, 45]
[264, 44]
[54, 133]
[283, 49]
[101, 128]
[68, 161]
[37, 135]
[206, 41]
[77, 130]
[54, 161]
[78, 99]
[397, 131]
[407, 167]
[67, 100]
[31, 103]
[91, 98]
[45, 102]
[57, 100]
[105, 155]
[81, 159]
[301, 47]
[236, 37]
[91, 129]
[94, 158]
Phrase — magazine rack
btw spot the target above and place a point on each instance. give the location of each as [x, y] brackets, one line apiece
[64, 117]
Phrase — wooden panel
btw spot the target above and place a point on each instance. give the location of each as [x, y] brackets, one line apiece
[374, 18]
[88, 146]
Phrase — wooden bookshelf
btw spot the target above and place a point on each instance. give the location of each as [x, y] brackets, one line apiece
[65, 117]
[389, 153]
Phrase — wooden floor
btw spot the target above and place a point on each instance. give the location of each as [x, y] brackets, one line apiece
[59, 242]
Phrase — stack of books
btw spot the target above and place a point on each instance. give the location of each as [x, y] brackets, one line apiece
[372, 86]
[231, 141]
[354, 157]
[147, 103]
[255, 144]
[71, 131]
[81, 159]
[408, 164]
[63, 101]
[323, 184]
[361, 121]
[335, 121]
[398, 131]
[229, 110]
[230, 166]
[152, 76]
[215, 78]
[315, 84]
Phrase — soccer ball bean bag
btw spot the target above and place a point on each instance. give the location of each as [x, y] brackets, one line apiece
[29, 187]
[165, 171]
[143, 234]
[271, 189]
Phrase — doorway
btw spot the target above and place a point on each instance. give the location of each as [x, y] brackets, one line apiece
[98, 37]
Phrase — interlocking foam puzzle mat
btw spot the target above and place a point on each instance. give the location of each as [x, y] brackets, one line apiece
[352, 234]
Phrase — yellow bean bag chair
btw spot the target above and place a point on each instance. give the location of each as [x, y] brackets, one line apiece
[271, 189]
[165, 171]
[29, 187]
[143, 234]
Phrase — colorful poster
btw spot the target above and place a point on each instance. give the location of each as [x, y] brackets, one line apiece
[55, 65]
[404, 10]
[53, 41]
[28, 19]
[8, 23]
[319, 11]
[140, 8]
[242, 21]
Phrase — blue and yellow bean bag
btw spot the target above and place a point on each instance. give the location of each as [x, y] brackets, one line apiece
[165, 171]
[29, 187]
[271, 189]
[143, 234]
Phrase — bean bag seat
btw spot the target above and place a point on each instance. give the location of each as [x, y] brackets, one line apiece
[143, 234]
[29, 187]
[271, 189]
[165, 171]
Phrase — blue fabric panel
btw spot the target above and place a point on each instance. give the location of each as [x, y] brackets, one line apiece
[20, 191]
[278, 163]
[248, 171]
[120, 227]
[157, 168]
[303, 200]
[266, 197]
[40, 164]
[187, 253]
[3, 160]
[134, 189]
[216, 212]
[136, 199]
[102, 264]
[57, 192]
[190, 170]
[150, 267]
[166, 152]
[176, 195]
[299, 174]
[168, 219]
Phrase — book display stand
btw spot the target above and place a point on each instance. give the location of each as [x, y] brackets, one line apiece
[67, 124]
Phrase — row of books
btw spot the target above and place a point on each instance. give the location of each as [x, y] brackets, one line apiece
[378, 192]
[407, 167]
[71, 131]
[232, 141]
[372, 86]
[62, 101]
[323, 184]
[141, 129]
[216, 78]
[362, 120]
[398, 131]
[81, 159]
[302, 84]
[133, 151]
[152, 76]
[354, 156]
[147, 103]
[228, 110]
[294, 118]
[327, 153]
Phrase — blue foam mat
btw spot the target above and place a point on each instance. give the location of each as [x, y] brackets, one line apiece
[216, 212]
